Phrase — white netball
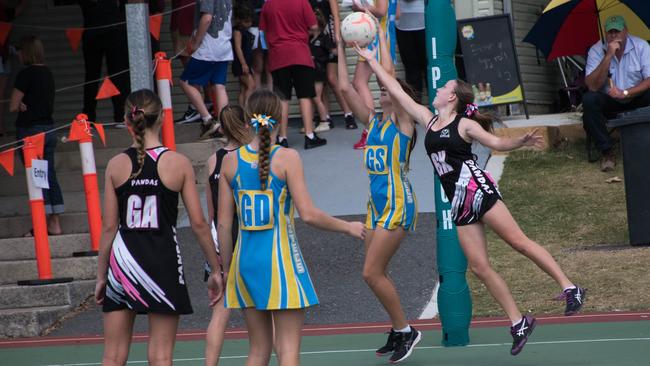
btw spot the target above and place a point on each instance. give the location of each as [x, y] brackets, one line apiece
[358, 27]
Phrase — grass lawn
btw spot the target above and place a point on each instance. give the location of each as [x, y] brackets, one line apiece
[563, 202]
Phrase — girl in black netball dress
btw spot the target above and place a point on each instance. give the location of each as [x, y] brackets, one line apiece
[235, 129]
[474, 195]
[140, 269]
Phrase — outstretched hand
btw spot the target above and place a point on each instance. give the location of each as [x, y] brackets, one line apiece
[532, 138]
[366, 53]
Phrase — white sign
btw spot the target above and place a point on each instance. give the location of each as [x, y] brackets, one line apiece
[39, 174]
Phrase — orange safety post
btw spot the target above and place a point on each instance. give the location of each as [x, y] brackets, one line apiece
[80, 131]
[39, 223]
[164, 82]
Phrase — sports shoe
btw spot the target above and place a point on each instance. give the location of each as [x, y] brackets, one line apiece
[575, 297]
[390, 345]
[191, 115]
[323, 126]
[208, 128]
[283, 143]
[330, 121]
[520, 333]
[350, 123]
[361, 144]
[315, 142]
[405, 344]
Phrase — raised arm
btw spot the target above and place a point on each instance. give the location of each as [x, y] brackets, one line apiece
[470, 129]
[420, 113]
[358, 107]
[309, 213]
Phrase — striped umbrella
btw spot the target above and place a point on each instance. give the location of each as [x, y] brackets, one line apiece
[570, 27]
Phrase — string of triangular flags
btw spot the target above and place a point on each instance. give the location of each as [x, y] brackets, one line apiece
[79, 129]
[74, 35]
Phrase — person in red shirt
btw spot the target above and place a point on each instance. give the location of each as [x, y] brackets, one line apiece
[287, 25]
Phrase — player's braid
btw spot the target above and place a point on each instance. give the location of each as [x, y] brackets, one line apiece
[264, 162]
[138, 133]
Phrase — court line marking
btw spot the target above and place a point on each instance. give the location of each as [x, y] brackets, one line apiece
[566, 320]
[601, 340]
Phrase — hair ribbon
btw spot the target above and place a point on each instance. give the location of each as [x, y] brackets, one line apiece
[262, 120]
[471, 110]
[135, 110]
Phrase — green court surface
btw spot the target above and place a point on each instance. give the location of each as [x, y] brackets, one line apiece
[594, 344]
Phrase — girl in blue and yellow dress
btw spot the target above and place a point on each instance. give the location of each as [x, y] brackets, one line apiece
[266, 273]
[392, 208]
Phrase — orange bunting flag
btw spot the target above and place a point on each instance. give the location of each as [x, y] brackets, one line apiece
[107, 90]
[74, 37]
[78, 131]
[7, 161]
[155, 21]
[100, 131]
[38, 141]
[5, 28]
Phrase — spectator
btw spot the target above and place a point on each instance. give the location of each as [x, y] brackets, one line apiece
[243, 41]
[211, 51]
[321, 47]
[330, 10]
[33, 99]
[260, 49]
[7, 14]
[409, 31]
[109, 42]
[618, 78]
[287, 25]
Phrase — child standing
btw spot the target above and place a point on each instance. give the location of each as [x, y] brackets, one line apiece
[321, 47]
[242, 43]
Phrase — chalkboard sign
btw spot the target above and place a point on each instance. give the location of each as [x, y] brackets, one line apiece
[490, 60]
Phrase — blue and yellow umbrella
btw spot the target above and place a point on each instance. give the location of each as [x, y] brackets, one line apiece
[570, 27]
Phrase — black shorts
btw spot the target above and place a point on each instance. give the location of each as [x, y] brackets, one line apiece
[298, 77]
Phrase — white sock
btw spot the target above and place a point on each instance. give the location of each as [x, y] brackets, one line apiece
[310, 136]
[517, 321]
[404, 330]
[282, 138]
[570, 287]
[206, 118]
[348, 114]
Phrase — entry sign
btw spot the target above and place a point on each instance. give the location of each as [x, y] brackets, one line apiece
[39, 174]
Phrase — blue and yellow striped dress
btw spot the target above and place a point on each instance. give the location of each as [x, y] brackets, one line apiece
[392, 202]
[267, 270]
[387, 23]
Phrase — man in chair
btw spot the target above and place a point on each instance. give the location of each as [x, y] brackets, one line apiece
[618, 79]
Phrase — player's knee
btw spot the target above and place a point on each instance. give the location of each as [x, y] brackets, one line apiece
[481, 269]
[371, 276]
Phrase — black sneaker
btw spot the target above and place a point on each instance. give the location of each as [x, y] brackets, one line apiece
[405, 344]
[331, 122]
[284, 142]
[191, 115]
[520, 333]
[390, 345]
[350, 123]
[208, 128]
[575, 297]
[315, 142]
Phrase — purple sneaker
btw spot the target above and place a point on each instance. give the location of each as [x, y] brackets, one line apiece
[575, 297]
[520, 333]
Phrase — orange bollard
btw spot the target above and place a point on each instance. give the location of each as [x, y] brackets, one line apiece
[164, 82]
[39, 224]
[89, 171]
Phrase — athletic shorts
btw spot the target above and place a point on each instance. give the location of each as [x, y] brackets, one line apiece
[298, 77]
[199, 72]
